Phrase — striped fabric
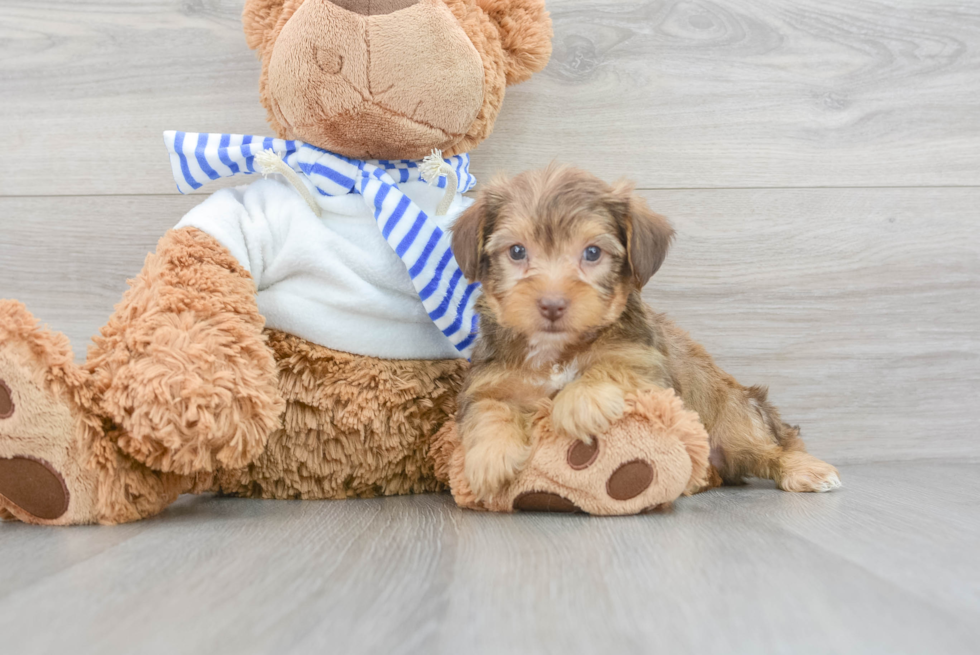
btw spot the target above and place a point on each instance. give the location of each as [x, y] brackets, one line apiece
[421, 244]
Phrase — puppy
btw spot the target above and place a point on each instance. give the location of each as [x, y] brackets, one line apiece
[562, 257]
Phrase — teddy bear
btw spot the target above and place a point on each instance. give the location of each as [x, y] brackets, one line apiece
[304, 336]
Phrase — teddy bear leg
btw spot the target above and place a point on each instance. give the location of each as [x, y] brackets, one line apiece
[57, 466]
[655, 453]
[183, 368]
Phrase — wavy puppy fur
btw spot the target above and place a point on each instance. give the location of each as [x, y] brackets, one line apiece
[562, 257]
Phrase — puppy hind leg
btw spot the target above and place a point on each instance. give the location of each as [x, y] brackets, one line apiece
[796, 470]
[750, 439]
[801, 471]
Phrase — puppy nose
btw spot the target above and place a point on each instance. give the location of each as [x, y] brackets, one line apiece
[552, 308]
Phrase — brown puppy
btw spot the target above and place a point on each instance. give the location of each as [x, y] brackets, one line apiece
[562, 257]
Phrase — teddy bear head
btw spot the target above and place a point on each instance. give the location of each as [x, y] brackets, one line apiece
[393, 79]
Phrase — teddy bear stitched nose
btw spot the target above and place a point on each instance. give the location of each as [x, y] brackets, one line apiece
[374, 7]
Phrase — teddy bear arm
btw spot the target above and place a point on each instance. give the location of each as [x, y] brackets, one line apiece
[182, 369]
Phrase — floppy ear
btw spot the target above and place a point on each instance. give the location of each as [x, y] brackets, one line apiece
[474, 226]
[525, 35]
[648, 234]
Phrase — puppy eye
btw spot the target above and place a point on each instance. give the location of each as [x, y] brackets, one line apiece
[592, 253]
[517, 252]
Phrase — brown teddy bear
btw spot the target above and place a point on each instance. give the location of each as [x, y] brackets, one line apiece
[275, 345]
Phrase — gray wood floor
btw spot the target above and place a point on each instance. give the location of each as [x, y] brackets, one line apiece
[888, 565]
[821, 162]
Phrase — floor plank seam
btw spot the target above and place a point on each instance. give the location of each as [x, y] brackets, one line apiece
[205, 194]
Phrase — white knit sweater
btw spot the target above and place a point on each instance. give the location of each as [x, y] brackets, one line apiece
[333, 279]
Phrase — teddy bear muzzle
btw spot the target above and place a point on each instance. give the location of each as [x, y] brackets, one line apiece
[389, 79]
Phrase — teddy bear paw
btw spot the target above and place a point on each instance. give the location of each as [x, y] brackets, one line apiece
[41, 478]
[655, 452]
[601, 491]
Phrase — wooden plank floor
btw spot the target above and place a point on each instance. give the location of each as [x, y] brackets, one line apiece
[887, 565]
[821, 162]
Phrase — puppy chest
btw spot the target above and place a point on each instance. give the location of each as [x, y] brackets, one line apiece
[559, 376]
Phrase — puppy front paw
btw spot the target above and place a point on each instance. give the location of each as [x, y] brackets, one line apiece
[492, 464]
[583, 411]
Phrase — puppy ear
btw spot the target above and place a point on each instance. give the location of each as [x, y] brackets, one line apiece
[472, 228]
[648, 234]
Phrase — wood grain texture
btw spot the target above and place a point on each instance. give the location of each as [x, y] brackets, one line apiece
[68, 258]
[674, 93]
[885, 565]
[858, 307]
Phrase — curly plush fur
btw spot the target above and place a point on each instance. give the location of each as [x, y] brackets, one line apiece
[353, 426]
[55, 421]
[181, 394]
[182, 368]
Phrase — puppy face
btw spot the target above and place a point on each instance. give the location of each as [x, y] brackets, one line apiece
[558, 251]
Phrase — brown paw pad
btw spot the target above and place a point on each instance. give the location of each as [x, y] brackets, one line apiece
[581, 454]
[6, 401]
[543, 501]
[630, 480]
[34, 486]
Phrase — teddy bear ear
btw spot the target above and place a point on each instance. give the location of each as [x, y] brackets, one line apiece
[525, 34]
[259, 18]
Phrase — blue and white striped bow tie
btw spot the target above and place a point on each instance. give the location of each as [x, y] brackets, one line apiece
[421, 244]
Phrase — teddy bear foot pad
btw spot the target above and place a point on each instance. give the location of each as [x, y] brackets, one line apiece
[628, 481]
[34, 486]
[43, 475]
